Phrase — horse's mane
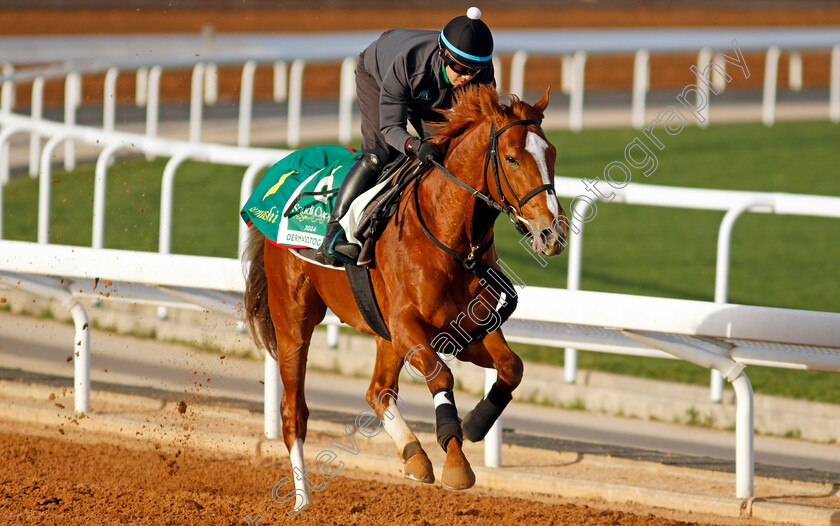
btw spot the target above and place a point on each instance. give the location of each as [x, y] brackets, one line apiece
[475, 104]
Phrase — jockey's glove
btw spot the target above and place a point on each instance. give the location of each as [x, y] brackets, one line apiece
[425, 151]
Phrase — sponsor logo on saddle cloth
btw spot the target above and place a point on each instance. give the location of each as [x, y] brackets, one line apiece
[281, 206]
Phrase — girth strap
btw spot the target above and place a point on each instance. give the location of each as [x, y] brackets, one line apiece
[362, 287]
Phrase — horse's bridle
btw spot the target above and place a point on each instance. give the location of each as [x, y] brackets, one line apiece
[494, 160]
[485, 213]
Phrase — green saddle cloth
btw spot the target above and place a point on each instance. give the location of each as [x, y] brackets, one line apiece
[276, 207]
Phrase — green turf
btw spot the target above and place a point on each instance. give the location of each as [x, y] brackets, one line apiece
[784, 261]
[204, 217]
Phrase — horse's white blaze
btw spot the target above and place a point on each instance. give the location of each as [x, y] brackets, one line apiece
[299, 466]
[536, 146]
[397, 428]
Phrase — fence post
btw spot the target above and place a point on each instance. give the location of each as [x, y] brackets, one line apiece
[109, 99]
[45, 186]
[641, 81]
[566, 74]
[517, 73]
[7, 92]
[37, 115]
[72, 99]
[167, 189]
[246, 102]
[196, 96]
[5, 136]
[100, 186]
[575, 242]
[704, 58]
[272, 391]
[141, 88]
[281, 88]
[7, 102]
[744, 438]
[576, 96]
[493, 440]
[834, 86]
[295, 101]
[771, 72]
[497, 73]
[345, 100]
[211, 84]
[153, 105]
[795, 71]
[722, 273]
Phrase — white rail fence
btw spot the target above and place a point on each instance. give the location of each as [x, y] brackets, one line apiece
[734, 203]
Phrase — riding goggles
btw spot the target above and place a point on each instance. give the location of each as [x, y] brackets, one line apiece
[459, 68]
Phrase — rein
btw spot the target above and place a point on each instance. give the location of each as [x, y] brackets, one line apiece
[485, 212]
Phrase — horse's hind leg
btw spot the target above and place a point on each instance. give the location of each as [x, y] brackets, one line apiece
[383, 398]
[296, 308]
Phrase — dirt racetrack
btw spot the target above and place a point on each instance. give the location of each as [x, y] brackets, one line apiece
[57, 481]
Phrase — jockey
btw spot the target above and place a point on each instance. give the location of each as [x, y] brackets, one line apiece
[403, 77]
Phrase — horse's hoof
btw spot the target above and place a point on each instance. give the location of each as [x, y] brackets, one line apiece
[459, 476]
[419, 468]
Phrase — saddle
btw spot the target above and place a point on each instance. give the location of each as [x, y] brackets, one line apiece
[368, 216]
[379, 211]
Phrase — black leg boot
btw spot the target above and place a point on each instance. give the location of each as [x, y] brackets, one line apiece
[359, 178]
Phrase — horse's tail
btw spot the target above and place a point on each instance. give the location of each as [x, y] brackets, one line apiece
[256, 295]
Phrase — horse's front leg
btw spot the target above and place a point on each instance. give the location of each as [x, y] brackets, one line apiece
[493, 351]
[383, 398]
[413, 345]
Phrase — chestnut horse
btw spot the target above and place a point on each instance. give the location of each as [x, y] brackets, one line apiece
[423, 282]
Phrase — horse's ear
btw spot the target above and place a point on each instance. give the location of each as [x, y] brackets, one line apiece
[542, 104]
[488, 99]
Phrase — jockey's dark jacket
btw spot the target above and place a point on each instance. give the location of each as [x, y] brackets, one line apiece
[409, 70]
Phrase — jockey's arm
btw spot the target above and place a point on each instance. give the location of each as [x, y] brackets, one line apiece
[393, 106]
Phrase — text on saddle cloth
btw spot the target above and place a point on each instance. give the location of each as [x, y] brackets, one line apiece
[291, 204]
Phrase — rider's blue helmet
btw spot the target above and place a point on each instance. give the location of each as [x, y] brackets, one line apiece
[468, 40]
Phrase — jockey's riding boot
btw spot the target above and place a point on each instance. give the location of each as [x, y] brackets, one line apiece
[361, 177]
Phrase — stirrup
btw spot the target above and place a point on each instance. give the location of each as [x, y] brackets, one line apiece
[342, 250]
[327, 254]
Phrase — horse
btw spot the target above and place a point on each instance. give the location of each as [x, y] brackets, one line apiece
[426, 280]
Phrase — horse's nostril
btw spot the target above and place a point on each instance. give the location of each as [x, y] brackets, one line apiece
[546, 235]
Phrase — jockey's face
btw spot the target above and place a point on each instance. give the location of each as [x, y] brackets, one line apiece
[458, 79]
[457, 73]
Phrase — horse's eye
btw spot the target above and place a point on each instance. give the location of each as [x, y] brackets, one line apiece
[511, 161]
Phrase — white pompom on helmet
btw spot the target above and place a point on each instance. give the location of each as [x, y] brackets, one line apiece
[468, 40]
